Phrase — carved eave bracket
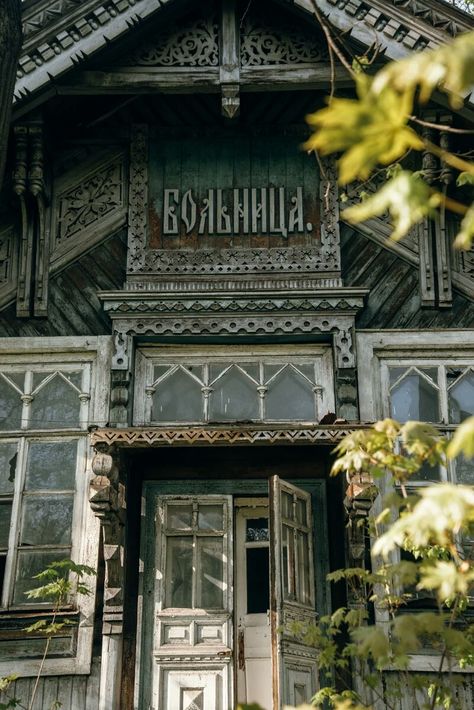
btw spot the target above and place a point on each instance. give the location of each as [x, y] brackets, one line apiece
[360, 495]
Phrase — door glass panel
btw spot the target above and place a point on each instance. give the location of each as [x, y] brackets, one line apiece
[51, 465]
[257, 530]
[461, 399]
[303, 568]
[234, 397]
[11, 406]
[8, 462]
[258, 583]
[290, 397]
[5, 515]
[179, 572]
[210, 517]
[286, 505]
[286, 557]
[180, 517]
[47, 522]
[301, 511]
[414, 398]
[177, 399]
[210, 567]
[55, 406]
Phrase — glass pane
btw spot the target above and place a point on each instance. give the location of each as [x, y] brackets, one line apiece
[303, 568]
[159, 371]
[271, 370]
[395, 373]
[178, 399]
[8, 461]
[51, 465]
[286, 505]
[11, 406]
[461, 399]
[414, 398]
[217, 368]
[453, 373]
[257, 530]
[301, 511]
[180, 517]
[46, 521]
[211, 517]
[179, 572]
[29, 564]
[290, 398]
[464, 470]
[251, 369]
[258, 582]
[5, 515]
[427, 473]
[210, 565]
[234, 397]
[287, 559]
[55, 406]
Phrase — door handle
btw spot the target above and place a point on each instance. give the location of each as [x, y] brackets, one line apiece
[241, 649]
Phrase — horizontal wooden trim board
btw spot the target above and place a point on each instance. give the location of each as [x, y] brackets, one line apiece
[222, 436]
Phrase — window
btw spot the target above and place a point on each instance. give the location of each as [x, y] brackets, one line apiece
[430, 390]
[231, 385]
[47, 401]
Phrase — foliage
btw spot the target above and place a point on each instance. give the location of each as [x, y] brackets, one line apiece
[60, 581]
[430, 525]
[378, 129]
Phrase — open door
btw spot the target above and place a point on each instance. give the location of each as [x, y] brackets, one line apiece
[294, 668]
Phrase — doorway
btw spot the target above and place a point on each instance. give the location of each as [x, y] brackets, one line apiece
[215, 553]
[252, 630]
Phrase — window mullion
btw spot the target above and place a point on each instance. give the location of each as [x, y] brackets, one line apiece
[27, 398]
[443, 394]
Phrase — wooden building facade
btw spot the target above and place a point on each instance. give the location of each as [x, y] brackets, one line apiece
[187, 327]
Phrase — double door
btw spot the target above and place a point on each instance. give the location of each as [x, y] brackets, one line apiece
[227, 577]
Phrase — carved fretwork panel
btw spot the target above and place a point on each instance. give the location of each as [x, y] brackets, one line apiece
[190, 44]
[88, 205]
[273, 38]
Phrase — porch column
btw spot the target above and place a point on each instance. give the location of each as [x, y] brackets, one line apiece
[107, 499]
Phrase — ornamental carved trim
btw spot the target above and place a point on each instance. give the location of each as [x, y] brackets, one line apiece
[87, 204]
[186, 436]
[195, 45]
[235, 261]
[242, 325]
[262, 43]
[8, 262]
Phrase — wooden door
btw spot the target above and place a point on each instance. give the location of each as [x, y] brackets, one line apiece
[192, 635]
[294, 668]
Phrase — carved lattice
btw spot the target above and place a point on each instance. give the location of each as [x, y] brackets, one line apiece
[278, 43]
[195, 45]
[94, 198]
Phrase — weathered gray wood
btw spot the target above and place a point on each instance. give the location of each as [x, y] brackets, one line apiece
[10, 44]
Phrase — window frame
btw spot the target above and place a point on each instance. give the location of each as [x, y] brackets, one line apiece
[374, 350]
[148, 356]
[91, 354]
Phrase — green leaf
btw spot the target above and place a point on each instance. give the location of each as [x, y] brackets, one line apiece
[465, 178]
[370, 130]
[406, 197]
[465, 236]
[463, 440]
[449, 68]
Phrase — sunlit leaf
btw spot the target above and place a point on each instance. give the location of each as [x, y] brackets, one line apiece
[465, 236]
[463, 440]
[449, 68]
[371, 130]
[406, 197]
